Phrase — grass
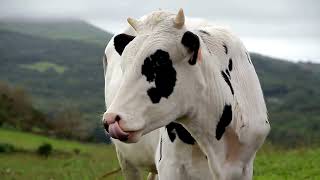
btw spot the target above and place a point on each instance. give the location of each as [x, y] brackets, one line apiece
[44, 67]
[280, 164]
[95, 160]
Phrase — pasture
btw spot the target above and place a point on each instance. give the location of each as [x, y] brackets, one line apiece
[74, 160]
[44, 67]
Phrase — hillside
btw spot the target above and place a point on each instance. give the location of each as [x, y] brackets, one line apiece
[57, 73]
[293, 96]
[73, 160]
[64, 72]
[57, 29]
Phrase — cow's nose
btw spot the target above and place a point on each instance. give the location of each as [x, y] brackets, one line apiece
[111, 125]
[110, 118]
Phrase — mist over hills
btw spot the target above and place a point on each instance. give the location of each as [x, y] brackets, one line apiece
[59, 63]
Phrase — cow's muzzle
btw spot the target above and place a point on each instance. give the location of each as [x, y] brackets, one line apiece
[111, 125]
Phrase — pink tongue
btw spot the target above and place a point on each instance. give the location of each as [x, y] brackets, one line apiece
[116, 132]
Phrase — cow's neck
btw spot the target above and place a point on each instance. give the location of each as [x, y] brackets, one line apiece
[208, 109]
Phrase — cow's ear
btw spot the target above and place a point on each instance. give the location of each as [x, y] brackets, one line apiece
[192, 43]
[121, 41]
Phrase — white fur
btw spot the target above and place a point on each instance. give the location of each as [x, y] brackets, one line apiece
[180, 161]
[200, 94]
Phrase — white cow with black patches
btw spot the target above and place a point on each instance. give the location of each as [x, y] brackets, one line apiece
[190, 163]
[212, 90]
[137, 157]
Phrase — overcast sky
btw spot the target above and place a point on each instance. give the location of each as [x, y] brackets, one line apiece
[280, 28]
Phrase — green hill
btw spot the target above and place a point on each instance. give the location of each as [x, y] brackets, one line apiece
[64, 72]
[58, 29]
[293, 96]
[57, 73]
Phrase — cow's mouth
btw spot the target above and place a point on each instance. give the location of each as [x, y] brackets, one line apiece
[116, 132]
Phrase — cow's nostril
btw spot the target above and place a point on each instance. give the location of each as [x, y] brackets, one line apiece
[117, 118]
[106, 126]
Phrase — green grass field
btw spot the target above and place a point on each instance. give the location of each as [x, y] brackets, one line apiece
[94, 160]
[44, 67]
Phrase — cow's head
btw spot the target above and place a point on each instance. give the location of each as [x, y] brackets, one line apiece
[161, 76]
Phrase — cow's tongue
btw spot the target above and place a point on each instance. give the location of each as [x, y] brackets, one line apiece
[116, 132]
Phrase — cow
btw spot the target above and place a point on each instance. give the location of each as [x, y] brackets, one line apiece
[133, 158]
[199, 77]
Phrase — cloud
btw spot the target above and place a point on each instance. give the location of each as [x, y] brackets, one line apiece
[273, 17]
[272, 10]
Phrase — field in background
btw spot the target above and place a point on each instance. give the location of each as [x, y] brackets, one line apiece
[94, 160]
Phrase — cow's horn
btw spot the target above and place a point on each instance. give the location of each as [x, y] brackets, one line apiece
[133, 23]
[179, 20]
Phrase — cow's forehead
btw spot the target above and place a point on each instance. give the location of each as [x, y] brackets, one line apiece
[156, 17]
[145, 45]
[156, 20]
[135, 47]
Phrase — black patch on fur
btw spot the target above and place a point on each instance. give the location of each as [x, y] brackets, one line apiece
[225, 120]
[182, 133]
[172, 135]
[225, 77]
[160, 148]
[248, 57]
[192, 42]
[230, 66]
[225, 48]
[121, 41]
[204, 32]
[158, 68]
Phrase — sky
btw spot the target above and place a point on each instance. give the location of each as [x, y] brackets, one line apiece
[287, 29]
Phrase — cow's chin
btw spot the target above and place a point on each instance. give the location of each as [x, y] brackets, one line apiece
[134, 136]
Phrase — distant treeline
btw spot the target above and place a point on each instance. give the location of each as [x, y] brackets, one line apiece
[18, 112]
[16, 109]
